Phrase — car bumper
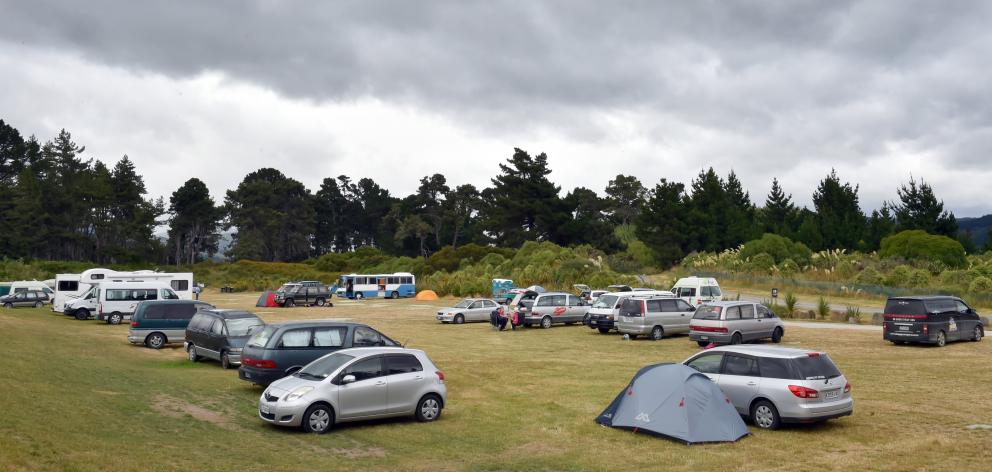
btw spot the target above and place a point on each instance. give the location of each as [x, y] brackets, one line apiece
[718, 338]
[445, 317]
[817, 413]
[281, 413]
[622, 329]
[601, 323]
[259, 376]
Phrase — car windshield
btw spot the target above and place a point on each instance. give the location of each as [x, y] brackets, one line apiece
[325, 366]
[904, 307]
[817, 366]
[707, 312]
[463, 304]
[606, 301]
[243, 326]
[287, 288]
[261, 338]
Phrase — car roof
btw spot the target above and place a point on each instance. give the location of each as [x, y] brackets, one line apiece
[230, 314]
[313, 323]
[765, 351]
[555, 293]
[371, 351]
[731, 303]
[173, 302]
[925, 297]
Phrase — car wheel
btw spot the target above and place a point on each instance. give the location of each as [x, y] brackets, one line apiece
[765, 416]
[657, 333]
[703, 343]
[736, 338]
[546, 322]
[318, 419]
[395, 295]
[82, 314]
[155, 341]
[941, 339]
[359, 296]
[38, 304]
[289, 303]
[115, 318]
[977, 335]
[429, 408]
[459, 319]
[191, 353]
[604, 330]
[225, 360]
[320, 302]
[777, 335]
[8, 305]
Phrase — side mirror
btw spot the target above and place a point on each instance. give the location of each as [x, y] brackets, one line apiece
[692, 308]
[347, 379]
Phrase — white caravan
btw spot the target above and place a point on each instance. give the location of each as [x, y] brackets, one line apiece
[74, 288]
[118, 300]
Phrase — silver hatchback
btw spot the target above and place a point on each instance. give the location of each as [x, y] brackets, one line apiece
[356, 384]
[775, 385]
[734, 323]
[469, 309]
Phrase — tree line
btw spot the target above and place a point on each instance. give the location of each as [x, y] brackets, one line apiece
[56, 204]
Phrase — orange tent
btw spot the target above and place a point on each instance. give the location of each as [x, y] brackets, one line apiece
[426, 295]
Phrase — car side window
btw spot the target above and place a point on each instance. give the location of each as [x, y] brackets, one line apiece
[545, 301]
[403, 364]
[705, 291]
[475, 305]
[707, 363]
[217, 327]
[365, 336]
[733, 313]
[293, 338]
[737, 365]
[961, 307]
[669, 305]
[574, 301]
[747, 312]
[366, 369]
[488, 304]
[329, 337]
[775, 368]
[683, 306]
[154, 312]
[655, 306]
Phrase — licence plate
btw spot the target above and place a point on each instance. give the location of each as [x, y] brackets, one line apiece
[904, 328]
[831, 394]
[264, 409]
[704, 337]
[247, 375]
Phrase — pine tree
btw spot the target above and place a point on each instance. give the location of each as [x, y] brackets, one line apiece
[738, 218]
[920, 209]
[626, 195]
[523, 204]
[430, 203]
[194, 223]
[838, 215]
[273, 215]
[461, 205]
[588, 223]
[779, 214]
[661, 225]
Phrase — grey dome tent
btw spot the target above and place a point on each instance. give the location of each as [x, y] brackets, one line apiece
[675, 401]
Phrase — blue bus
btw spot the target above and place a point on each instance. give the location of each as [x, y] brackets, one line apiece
[400, 284]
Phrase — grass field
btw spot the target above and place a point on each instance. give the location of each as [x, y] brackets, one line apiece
[76, 396]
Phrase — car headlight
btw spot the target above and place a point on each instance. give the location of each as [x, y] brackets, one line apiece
[298, 393]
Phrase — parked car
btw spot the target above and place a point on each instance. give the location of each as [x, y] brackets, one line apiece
[469, 309]
[931, 320]
[32, 298]
[10, 288]
[655, 316]
[552, 307]
[698, 290]
[775, 385]
[156, 323]
[593, 295]
[308, 293]
[220, 335]
[281, 349]
[356, 384]
[116, 301]
[619, 288]
[605, 310]
[734, 323]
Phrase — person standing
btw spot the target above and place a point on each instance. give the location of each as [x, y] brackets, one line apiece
[349, 290]
[196, 291]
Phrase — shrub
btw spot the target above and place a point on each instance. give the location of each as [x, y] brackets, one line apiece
[853, 312]
[788, 267]
[899, 276]
[761, 263]
[790, 303]
[822, 308]
[778, 247]
[980, 285]
[869, 276]
[919, 278]
[918, 245]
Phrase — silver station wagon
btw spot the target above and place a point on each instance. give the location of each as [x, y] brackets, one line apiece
[655, 316]
[773, 385]
[734, 323]
[469, 309]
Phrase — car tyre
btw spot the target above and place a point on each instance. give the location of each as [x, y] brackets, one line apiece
[546, 322]
[977, 335]
[289, 303]
[765, 416]
[459, 319]
[115, 318]
[320, 302]
[703, 343]
[657, 333]
[395, 295]
[155, 341]
[941, 339]
[604, 330]
[736, 338]
[429, 408]
[359, 296]
[82, 314]
[318, 419]
[38, 304]
[225, 360]
[191, 353]
[777, 335]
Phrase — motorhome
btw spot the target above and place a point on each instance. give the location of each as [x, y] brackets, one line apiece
[74, 288]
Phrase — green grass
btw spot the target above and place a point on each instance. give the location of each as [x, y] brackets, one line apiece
[77, 396]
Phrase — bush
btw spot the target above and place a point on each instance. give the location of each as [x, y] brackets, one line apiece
[899, 277]
[919, 278]
[790, 303]
[822, 308]
[918, 245]
[853, 313]
[869, 276]
[788, 267]
[761, 263]
[778, 247]
[980, 285]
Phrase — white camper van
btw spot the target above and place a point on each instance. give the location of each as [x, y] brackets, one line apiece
[71, 287]
[10, 288]
[698, 290]
[118, 300]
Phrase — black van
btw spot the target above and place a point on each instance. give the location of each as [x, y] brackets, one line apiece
[220, 335]
[931, 320]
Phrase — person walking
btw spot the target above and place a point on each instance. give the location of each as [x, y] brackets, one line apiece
[196, 291]
[349, 290]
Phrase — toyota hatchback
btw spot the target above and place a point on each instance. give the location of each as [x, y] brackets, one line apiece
[775, 385]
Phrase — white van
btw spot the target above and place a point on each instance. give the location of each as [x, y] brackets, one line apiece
[69, 287]
[606, 308]
[118, 300]
[25, 285]
[698, 290]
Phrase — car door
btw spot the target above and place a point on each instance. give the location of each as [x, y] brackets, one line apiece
[215, 338]
[293, 349]
[473, 310]
[577, 308]
[739, 380]
[27, 299]
[669, 315]
[708, 364]
[368, 394]
[483, 314]
[685, 311]
[405, 378]
[752, 324]
[968, 319]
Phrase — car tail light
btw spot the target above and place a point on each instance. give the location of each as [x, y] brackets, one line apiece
[813, 354]
[803, 392]
[440, 375]
[847, 387]
[926, 329]
[699, 301]
[134, 324]
[260, 363]
[708, 329]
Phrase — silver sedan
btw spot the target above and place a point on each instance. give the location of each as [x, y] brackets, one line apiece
[469, 309]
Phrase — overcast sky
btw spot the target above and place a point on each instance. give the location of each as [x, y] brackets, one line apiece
[398, 90]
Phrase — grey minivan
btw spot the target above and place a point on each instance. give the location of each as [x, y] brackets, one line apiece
[553, 307]
[220, 335]
[734, 323]
[657, 316]
[156, 323]
[279, 350]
